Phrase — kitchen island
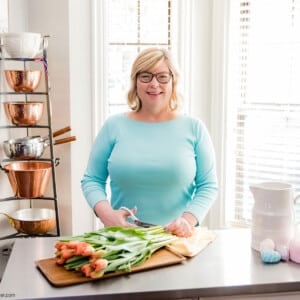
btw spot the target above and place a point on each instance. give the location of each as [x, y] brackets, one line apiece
[226, 267]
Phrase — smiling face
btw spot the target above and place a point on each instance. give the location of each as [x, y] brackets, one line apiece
[153, 61]
[155, 96]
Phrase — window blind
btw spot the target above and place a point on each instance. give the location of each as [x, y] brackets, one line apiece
[132, 27]
[266, 99]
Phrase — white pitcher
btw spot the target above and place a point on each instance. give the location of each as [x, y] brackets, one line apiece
[273, 213]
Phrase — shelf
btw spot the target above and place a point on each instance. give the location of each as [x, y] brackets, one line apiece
[47, 124]
[37, 159]
[23, 126]
[24, 93]
[36, 59]
[23, 235]
[21, 198]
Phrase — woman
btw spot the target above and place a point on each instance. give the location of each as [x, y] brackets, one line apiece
[160, 163]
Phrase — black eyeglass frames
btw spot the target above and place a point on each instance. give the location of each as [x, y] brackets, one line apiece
[146, 77]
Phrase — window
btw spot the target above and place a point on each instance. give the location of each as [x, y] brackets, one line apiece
[131, 27]
[263, 127]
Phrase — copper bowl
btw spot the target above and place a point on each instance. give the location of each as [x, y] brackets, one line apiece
[23, 80]
[28, 179]
[24, 113]
[32, 220]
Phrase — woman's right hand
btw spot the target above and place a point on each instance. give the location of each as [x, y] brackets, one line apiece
[110, 217]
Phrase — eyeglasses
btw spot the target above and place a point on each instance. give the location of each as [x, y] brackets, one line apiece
[146, 77]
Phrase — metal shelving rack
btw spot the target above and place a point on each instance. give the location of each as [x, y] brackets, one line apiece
[54, 161]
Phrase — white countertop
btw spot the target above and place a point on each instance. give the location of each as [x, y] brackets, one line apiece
[228, 266]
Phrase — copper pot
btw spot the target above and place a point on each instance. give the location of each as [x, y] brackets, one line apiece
[32, 147]
[32, 220]
[28, 179]
[24, 148]
[24, 113]
[25, 81]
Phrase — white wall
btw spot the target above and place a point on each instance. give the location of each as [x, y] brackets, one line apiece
[81, 107]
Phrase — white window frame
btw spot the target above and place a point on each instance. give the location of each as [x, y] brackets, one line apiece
[99, 68]
[219, 82]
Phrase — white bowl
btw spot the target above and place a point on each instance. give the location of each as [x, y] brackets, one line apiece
[22, 44]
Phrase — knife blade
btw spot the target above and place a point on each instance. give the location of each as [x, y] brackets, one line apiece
[143, 224]
[136, 221]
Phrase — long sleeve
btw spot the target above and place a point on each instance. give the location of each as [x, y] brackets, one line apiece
[95, 177]
[206, 178]
[164, 169]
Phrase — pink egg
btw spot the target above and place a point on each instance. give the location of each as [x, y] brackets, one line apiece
[295, 249]
[283, 251]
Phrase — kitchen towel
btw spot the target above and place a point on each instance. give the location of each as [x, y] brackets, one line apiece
[194, 244]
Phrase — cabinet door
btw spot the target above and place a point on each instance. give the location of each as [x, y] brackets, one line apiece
[273, 296]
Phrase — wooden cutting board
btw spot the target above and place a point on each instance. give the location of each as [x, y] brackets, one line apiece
[59, 276]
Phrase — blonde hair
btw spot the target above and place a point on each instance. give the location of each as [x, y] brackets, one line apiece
[145, 61]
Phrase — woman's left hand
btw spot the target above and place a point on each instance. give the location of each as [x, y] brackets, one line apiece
[180, 227]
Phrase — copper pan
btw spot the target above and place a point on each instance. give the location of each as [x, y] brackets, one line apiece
[28, 179]
[32, 220]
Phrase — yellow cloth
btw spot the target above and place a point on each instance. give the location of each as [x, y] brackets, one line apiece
[194, 244]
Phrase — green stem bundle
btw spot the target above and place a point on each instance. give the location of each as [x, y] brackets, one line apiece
[111, 249]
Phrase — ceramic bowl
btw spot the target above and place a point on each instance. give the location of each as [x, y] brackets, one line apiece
[22, 44]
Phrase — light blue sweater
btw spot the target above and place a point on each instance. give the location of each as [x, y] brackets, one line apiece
[164, 169]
